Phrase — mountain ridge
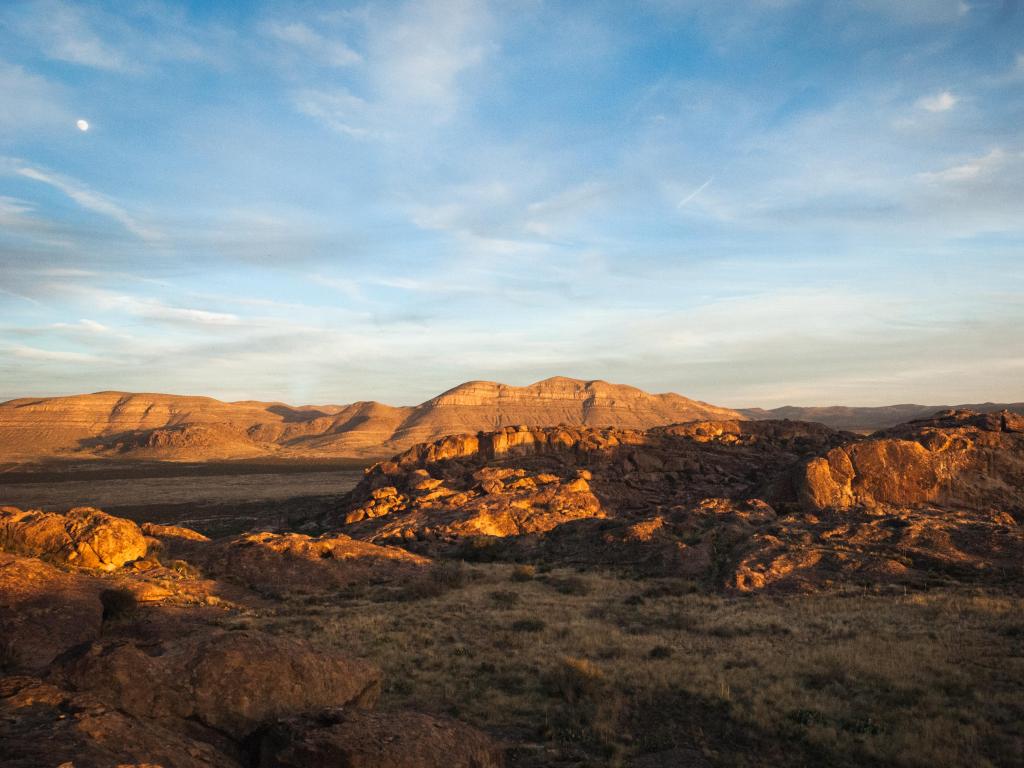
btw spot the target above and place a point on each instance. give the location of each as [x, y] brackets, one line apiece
[872, 417]
[192, 427]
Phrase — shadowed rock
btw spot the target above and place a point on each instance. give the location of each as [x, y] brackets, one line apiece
[363, 739]
[44, 725]
[44, 611]
[229, 681]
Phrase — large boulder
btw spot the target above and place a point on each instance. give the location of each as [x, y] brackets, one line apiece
[84, 537]
[229, 681]
[44, 611]
[364, 739]
[294, 562]
[44, 725]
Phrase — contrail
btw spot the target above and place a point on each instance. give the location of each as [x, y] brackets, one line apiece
[695, 192]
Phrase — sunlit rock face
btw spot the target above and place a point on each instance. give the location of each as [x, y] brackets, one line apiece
[956, 458]
[84, 537]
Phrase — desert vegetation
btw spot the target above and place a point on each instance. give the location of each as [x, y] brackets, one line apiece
[618, 668]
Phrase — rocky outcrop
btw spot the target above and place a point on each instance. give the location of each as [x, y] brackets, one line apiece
[734, 505]
[957, 458]
[44, 725]
[377, 740]
[229, 681]
[292, 562]
[518, 481]
[43, 612]
[84, 537]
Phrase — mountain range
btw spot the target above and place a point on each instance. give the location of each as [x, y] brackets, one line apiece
[172, 427]
[185, 428]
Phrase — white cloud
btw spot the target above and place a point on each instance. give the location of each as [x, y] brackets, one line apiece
[333, 53]
[34, 353]
[85, 197]
[416, 58]
[973, 169]
[131, 39]
[339, 110]
[940, 102]
[152, 309]
[65, 33]
[89, 326]
[29, 101]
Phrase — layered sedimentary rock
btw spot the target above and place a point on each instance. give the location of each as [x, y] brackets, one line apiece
[171, 427]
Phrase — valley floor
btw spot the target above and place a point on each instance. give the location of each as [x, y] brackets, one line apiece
[592, 669]
[215, 498]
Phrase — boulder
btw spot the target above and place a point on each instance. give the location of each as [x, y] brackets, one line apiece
[364, 739]
[294, 562]
[84, 537]
[44, 611]
[44, 725]
[229, 681]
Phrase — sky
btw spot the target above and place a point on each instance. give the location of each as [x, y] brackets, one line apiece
[754, 202]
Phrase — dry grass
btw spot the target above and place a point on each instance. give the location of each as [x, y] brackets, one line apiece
[593, 669]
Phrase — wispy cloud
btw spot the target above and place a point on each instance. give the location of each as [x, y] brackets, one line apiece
[85, 197]
[416, 57]
[682, 203]
[975, 168]
[939, 102]
[51, 355]
[131, 39]
[332, 52]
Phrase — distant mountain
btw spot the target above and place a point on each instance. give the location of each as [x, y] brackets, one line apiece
[868, 419]
[180, 428]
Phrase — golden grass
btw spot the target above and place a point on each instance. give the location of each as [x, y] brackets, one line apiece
[591, 669]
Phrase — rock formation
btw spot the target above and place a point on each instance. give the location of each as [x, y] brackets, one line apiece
[83, 537]
[738, 505]
[956, 458]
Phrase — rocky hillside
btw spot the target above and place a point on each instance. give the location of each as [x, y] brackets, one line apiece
[170, 427]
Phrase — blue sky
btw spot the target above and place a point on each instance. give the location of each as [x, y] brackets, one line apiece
[756, 202]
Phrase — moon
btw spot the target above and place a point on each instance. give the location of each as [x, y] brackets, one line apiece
[83, 125]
